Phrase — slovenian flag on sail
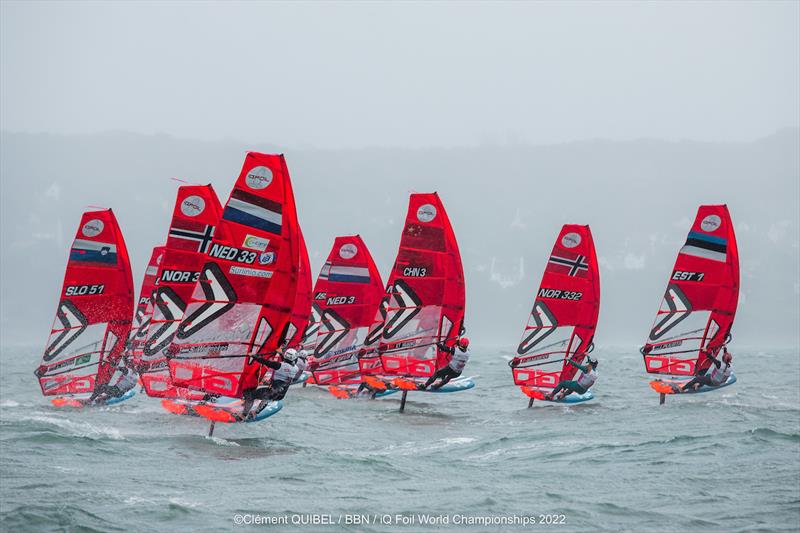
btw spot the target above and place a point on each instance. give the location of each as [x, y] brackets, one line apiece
[254, 211]
[93, 252]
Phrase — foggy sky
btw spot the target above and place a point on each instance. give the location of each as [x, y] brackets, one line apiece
[402, 74]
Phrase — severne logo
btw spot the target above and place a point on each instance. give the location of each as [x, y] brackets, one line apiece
[171, 307]
[332, 330]
[219, 296]
[408, 306]
[73, 323]
[544, 323]
[678, 307]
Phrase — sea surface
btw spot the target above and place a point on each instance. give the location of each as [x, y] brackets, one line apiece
[724, 461]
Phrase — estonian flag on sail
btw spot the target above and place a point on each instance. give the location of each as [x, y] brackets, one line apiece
[254, 211]
[706, 246]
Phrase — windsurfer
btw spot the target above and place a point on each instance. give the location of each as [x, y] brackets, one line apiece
[126, 381]
[285, 371]
[581, 385]
[458, 360]
[712, 376]
[301, 364]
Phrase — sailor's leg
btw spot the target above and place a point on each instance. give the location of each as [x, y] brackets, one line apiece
[249, 397]
[559, 388]
[447, 374]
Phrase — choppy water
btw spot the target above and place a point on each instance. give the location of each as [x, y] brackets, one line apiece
[725, 461]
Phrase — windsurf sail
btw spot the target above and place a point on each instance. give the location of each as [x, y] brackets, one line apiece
[195, 217]
[347, 292]
[93, 318]
[425, 296]
[699, 305]
[243, 300]
[302, 302]
[144, 306]
[562, 323]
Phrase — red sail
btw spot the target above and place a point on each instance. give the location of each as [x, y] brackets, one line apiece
[144, 306]
[93, 319]
[302, 302]
[348, 290]
[699, 305]
[242, 303]
[426, 298]
[562, 322]
[194, 219]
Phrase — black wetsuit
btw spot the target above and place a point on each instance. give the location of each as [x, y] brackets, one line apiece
[444, 374]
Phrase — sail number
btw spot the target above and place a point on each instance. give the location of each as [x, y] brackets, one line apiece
[558, 294]
[231, 253]
[683, 275]
[341, 300]
[83, 290]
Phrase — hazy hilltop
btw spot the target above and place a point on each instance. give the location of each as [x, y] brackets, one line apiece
[506, 202]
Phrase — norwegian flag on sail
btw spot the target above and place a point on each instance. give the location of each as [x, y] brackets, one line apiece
[568, 263]
[190, 235]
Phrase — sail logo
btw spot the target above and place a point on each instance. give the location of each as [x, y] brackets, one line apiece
[415, 272]
[320, 296]
[348, 251]
[266, 258]
[426, 213]
[93, 228]
[171, 307]
[258, 178]
[255, 242]
[179, 276]
[710, 223]
[676, 307]
[541, 324]
[570, 240]
[192, 206]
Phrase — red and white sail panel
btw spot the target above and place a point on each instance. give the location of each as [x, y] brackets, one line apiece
[347, 292]
[426, 296]
[144, 306]
[700, 302]
[93, 318]
[243, 300]
[195, 215]
[562, 323]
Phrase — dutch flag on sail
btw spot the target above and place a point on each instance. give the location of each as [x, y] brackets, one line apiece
[254, 211]
[349, 274]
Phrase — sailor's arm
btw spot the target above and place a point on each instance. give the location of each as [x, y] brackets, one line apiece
[584, 369]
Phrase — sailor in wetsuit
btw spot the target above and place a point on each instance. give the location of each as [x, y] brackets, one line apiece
[581, 385]
[715, 375]
[285, 371]
[125, 382]
[301, 363]
[458, 360]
